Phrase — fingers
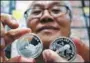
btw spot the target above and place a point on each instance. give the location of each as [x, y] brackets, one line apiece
[82, 49]
[15, 34]
[2, 56]
[8, 20]
[78, 58]
[2, 45]
[21, 59]
[51, 56]
[2, 31]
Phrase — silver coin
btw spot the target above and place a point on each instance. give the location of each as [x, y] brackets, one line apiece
[29, 45]
[65, 47]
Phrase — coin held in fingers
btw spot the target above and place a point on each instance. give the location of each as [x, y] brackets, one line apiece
[29, 46]
[64, 47]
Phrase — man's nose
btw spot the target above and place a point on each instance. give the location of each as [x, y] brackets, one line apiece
[46, 17]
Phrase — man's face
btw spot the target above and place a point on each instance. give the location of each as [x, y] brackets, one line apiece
[48, 20]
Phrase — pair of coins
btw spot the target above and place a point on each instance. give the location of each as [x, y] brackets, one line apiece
[31, 46]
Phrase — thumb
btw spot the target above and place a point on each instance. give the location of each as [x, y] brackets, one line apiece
[21, 59]
[51, 56]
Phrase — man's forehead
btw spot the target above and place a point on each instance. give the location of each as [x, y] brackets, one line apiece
[46, 2]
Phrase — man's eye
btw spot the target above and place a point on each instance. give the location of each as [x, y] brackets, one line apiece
[36, 12]
[56, 11]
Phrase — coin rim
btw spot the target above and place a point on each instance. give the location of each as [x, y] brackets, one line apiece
[37, 53]
[70, 41]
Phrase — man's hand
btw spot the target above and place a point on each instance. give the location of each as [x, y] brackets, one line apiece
[7, 37]
[52, 57]
[21, 59]
[82, 49]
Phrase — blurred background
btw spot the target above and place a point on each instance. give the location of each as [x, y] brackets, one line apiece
[80, 26]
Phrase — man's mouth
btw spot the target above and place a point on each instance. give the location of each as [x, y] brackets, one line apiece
[47, 28]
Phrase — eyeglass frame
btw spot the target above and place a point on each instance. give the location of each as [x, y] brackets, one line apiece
[68, 11]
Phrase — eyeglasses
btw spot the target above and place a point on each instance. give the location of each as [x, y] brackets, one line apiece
[53, 11]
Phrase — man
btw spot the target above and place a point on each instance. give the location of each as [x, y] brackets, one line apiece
[47, 19]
